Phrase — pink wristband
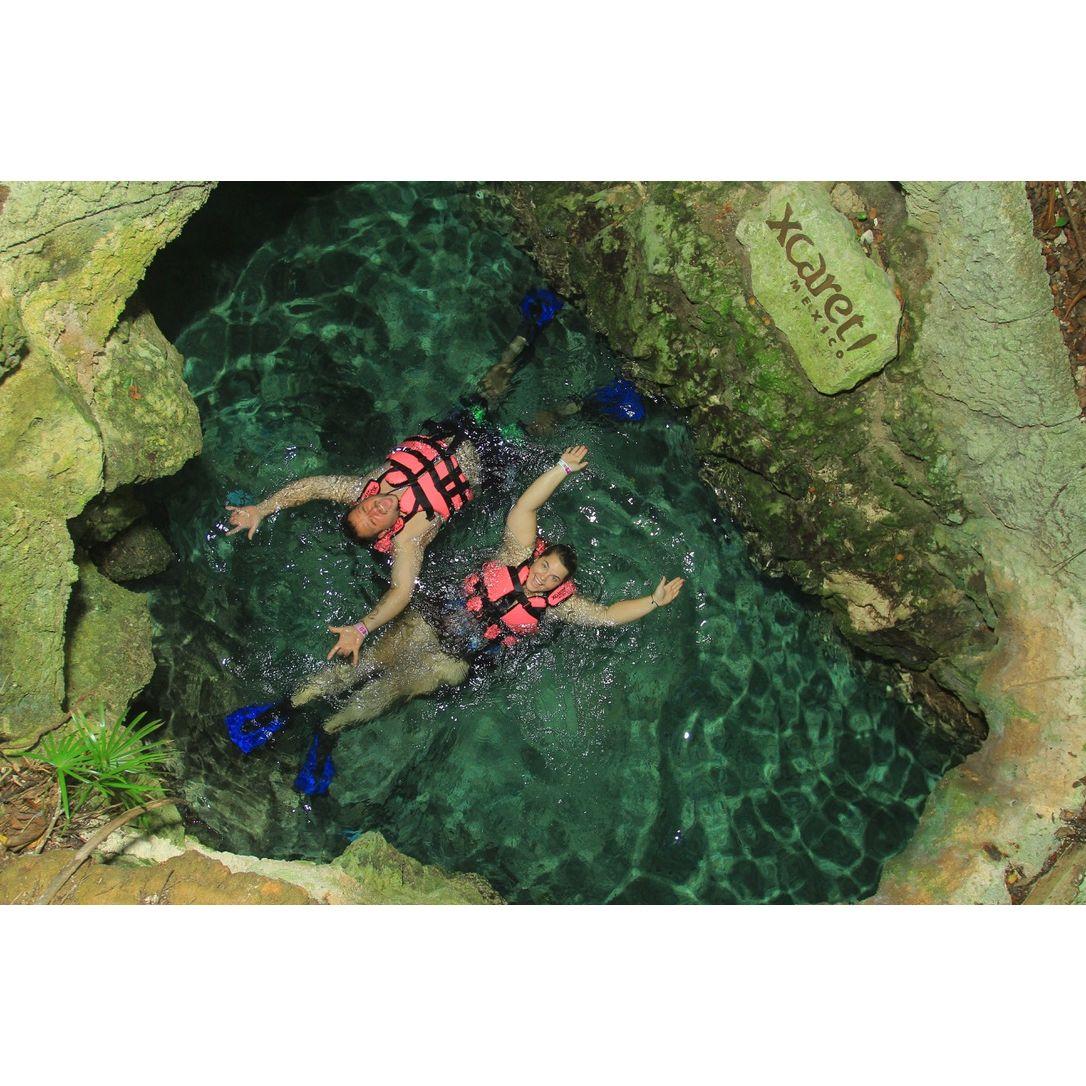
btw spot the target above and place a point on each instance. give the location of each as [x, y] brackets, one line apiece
[564, 466]
[361, 628]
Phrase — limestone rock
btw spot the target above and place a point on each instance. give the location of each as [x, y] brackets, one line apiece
[91, 397]
[109, 648]
[75, 251]
[12, 336]
[140, 551]
[868, 608]
[371, 872]
[836, 307]
[36, 575]
[188, 879]
[996, 375]
[49, 444]
[398, 879]
[149, 422]
[107, 515]
[848, 201]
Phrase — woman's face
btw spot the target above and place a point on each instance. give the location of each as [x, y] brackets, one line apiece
[545, 574]
[373, 515]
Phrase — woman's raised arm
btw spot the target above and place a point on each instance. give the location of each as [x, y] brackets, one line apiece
[521, 526]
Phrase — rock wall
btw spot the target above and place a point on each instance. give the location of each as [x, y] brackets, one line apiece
[91, 401]
[933, 496]
[132, 869]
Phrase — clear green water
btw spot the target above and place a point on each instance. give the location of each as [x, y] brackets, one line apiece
[726, 749]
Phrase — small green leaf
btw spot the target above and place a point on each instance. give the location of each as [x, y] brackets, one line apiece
[862, 216]
[1062, 221]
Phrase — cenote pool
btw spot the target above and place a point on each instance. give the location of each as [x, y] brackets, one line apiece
[725, 749]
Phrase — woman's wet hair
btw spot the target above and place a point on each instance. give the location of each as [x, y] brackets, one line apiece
[566, 555]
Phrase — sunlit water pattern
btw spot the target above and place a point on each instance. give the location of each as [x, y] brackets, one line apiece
[725, 749]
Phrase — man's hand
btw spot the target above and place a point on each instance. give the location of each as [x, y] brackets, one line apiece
[244, 517]
[574, 458]
[666, 591]
[350, 641]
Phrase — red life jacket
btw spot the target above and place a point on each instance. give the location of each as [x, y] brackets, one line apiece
[436, 484]
[497, 598]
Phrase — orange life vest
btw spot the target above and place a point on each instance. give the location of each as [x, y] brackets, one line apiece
[436, 484]
[497, 598]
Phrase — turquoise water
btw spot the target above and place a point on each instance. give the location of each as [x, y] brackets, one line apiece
[725, 749]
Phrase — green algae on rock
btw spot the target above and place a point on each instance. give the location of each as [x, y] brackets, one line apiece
[848, 493]
[139, 392]
[399, 879]
[92, 398]
[109, 657]
[12, 336]
[36, 574]
[139, 551]
[835, 305]
[107, 515]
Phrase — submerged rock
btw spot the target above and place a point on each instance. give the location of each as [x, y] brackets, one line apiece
[139, 551]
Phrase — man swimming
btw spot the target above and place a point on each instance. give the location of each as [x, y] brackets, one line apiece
[399, 506]
[525, 586]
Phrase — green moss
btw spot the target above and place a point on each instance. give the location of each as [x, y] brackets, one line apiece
[661, 273]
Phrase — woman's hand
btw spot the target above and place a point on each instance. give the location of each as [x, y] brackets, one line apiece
[666, 591]
[244, 517]
[574, 458]
[350, 641]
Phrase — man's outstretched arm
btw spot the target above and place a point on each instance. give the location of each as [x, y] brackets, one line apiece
[406, 564]
[332, 488]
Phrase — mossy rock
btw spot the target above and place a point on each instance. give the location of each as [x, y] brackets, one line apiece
[400, 880]
[76, 251]
[109, 656]
[149, 422]
[13, 343]
[107, 515]
[139, 551]
[36, 575]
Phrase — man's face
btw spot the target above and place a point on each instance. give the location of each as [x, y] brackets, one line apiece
[545, 574]
[373, 515]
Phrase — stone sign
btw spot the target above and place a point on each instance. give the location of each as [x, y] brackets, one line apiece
[808, 270]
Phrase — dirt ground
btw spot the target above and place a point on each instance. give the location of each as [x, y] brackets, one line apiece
[30, 818]
[1059, 223]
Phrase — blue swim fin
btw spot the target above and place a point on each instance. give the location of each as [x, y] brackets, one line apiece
[538, 308]
[252, 726]
[619, 400]
[317, 770]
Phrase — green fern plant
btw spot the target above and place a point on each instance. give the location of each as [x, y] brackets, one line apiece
[106, 763]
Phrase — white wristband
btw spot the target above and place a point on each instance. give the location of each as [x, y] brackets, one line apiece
[564, 466]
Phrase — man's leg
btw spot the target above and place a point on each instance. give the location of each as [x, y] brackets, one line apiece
[411, 668]
[377, 655]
